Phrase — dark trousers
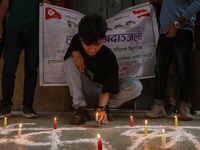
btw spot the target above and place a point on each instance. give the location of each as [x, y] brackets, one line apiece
[15, 41]
[1, 47]
[178, 47]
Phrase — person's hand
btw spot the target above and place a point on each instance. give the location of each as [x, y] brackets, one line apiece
[78, 60]
[171, 31]
[1, 34]
[102, 117]
[45, 1]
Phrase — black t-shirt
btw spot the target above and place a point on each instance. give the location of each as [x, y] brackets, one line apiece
[102, 67]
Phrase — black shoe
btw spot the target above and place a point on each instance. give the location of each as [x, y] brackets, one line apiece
[81, 116]
[170, 109]
[5, 110]
[193, 111]
[29, 112]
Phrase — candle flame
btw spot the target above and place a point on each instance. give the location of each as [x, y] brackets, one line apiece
[131, 117]
[163, 130]
[55, 119]
[145, 121]
[20, 125]
[98, 136]
[96, 114]
[5, 118]
[175, 117]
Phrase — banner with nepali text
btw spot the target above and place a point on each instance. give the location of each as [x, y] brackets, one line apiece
[132, 35]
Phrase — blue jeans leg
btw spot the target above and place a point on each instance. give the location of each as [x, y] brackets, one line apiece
[31, 47]
[14, 43]
[12, 49]
[179, 47]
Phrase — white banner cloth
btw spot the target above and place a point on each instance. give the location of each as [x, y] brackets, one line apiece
[132, 36]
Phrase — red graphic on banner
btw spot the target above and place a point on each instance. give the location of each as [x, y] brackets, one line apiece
[51, 13]
[141, 13]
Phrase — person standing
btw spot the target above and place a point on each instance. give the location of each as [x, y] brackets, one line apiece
[22, 31]
[177, 19]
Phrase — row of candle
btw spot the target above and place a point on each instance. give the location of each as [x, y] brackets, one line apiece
[163, 135]
[55, 127]
[132, 123]
[99, 141]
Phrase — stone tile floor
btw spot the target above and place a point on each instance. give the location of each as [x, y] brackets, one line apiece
[38, 133]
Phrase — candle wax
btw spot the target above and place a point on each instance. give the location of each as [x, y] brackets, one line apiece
[132, 124]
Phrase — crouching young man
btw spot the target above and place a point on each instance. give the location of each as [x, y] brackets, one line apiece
[91, 71]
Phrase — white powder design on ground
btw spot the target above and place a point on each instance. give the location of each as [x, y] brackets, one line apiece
[179, 134]
[174, 135]
[54, 136]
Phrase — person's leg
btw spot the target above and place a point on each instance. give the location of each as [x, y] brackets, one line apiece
[73, 79]
[182, 49]
[128, 89]
[164, 56]
[169, 95]
[81, 88]
[31, 46]
[12, 48]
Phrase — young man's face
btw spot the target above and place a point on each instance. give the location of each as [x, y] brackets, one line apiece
[91, 50]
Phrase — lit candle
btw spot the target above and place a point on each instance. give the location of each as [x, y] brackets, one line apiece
[55, 123]
[97, 118]
[19, 131]
[145, 128]
[176, 122]
[5, 123]
[99, 142]
[163, 139]
[132, 124]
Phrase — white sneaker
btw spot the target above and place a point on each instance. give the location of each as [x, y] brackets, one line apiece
[185, 114]
[156, 111]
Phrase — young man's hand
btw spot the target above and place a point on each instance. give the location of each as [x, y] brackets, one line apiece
[171, 31]
[78, 60]
[102, 117]
[45, 1]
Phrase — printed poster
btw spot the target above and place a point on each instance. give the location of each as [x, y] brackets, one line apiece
[132, 35]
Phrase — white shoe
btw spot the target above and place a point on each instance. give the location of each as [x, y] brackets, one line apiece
[156, 111]
[185, 114]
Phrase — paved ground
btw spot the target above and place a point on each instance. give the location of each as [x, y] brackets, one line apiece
[38, 134]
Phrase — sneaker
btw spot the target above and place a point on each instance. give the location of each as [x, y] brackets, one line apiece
[29, 112]
[156, 111]
[81, 116]
[193, 111]
[170, 109]
[5, 111]
[185, 114]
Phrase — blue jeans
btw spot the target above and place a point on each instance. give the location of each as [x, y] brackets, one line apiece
[82, 88]
[15, 41]
[178, 47]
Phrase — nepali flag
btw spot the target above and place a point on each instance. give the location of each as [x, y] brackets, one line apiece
[51, 13]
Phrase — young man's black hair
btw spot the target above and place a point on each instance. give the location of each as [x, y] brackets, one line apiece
[91, 29]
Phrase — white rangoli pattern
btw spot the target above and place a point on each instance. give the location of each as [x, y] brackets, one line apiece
[174, 135]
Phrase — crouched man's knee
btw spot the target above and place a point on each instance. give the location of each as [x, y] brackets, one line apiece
[69, 65]
[135, 88]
